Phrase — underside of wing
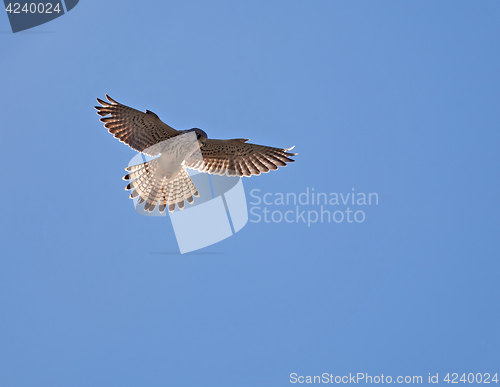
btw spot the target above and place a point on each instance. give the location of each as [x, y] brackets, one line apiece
[238, 158]
[141, 131]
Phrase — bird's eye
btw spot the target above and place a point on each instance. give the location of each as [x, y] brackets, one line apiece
[198, 136]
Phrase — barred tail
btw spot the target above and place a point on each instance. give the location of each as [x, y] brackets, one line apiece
[156, 189]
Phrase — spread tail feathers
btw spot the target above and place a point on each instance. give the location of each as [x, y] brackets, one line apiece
[156, 189]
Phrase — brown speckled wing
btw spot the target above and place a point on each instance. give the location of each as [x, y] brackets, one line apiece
[239, 158]
[138, 130]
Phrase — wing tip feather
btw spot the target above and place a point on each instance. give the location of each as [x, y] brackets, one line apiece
[110, 99]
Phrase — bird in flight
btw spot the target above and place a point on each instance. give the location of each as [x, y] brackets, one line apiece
[164, 180]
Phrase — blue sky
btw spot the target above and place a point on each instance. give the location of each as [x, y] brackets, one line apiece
[396, 98]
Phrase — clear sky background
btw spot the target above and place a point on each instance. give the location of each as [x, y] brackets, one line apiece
[397, 98]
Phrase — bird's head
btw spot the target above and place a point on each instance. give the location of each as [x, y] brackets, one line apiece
[201, 136]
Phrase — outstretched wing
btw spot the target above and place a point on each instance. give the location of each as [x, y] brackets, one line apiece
[138, 130]
[238, 158]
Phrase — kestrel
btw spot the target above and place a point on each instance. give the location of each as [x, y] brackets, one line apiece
[164, 180]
